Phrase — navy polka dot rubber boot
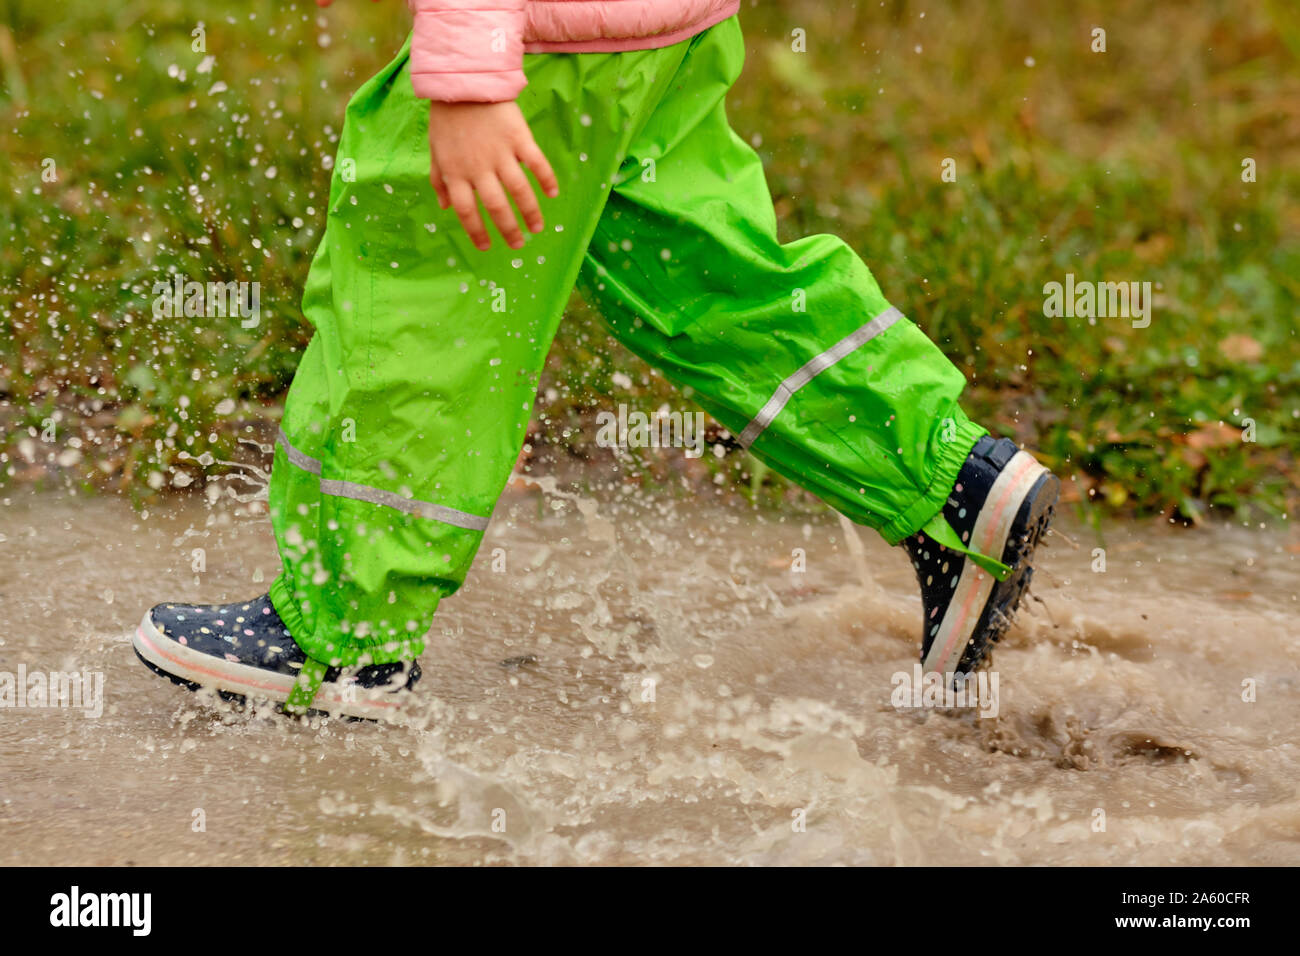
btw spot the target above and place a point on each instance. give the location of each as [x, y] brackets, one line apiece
[973, 560]
[245, 652]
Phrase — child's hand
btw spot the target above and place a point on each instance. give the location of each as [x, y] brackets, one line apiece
[477, 148]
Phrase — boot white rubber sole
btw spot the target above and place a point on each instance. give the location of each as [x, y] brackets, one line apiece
[993, 528]
[190, 667]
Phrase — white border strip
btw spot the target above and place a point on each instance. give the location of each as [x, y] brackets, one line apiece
[207, 670]
[975, 586]
[375, 496]
[811, 369]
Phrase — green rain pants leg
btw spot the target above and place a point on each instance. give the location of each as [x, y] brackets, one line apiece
[793, 348]
[411, 402]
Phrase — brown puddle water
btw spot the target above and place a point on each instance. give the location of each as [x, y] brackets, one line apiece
[650, 683]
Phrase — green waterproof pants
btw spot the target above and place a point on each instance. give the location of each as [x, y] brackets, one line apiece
[411, 403]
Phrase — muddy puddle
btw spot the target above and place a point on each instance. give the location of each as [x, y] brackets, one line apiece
[623, 681]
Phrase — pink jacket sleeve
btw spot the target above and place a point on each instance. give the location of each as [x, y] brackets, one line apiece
[468, 50]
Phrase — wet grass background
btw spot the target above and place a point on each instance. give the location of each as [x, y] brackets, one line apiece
[1116, 166]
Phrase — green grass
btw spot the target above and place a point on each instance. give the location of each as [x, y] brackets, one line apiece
[1123, 165]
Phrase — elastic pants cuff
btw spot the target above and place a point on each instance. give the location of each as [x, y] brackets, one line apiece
[952, 455]
[282, 601]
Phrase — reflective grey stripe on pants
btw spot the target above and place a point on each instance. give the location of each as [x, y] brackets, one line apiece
[811, 369]
[375, 496]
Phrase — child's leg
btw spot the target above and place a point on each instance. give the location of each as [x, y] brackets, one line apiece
[792, 347]
[411, 403]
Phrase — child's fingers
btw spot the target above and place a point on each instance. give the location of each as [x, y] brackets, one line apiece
[439, 187]
[462, 198]
[499, 208]
[521, 191]
[531, 155]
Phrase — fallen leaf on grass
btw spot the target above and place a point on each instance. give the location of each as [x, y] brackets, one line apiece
[1216, 435]
[1241, 348]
